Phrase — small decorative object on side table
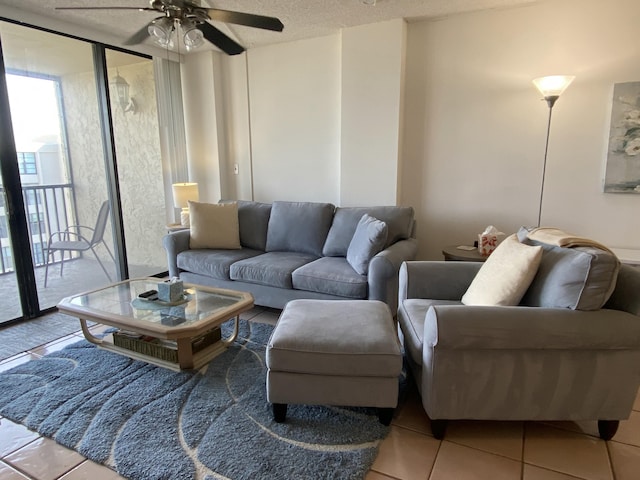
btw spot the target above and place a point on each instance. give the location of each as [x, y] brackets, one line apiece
[462, 253]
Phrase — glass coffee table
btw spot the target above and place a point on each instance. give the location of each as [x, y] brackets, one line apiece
[178, 335]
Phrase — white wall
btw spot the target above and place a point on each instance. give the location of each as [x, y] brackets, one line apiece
[234, 132]
[198, 93]
[372, 87]
[315, 120]
[475, 125]
[472, 124]
[294, 98]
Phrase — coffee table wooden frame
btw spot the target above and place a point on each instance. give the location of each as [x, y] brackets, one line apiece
[182, 334]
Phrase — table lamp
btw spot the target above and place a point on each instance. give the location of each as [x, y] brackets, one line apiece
[182, 193]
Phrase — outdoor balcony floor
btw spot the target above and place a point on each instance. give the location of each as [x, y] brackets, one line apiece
[79, 275]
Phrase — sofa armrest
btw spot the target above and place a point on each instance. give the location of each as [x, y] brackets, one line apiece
[626, 295]
[383, 271]
[436, 280]
[174, 243]
[453, 327]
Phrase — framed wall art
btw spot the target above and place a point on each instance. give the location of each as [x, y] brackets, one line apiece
[622, 174]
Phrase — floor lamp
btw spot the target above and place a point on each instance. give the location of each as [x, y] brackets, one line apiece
[551, 88]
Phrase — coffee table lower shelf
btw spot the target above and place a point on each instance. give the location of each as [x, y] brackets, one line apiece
[190, 353]
[198, 359]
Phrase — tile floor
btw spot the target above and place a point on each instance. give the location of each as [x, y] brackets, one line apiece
[471, 450]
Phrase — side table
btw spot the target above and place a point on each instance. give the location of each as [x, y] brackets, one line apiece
[174, 227]
[454, 254]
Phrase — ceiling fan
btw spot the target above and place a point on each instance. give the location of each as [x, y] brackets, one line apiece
[193, 19]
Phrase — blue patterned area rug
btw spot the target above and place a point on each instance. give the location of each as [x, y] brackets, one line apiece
[148, 422]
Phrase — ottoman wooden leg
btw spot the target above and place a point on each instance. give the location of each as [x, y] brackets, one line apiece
[279, 412]
[385, 415]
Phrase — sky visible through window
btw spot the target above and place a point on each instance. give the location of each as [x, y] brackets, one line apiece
[34, 112]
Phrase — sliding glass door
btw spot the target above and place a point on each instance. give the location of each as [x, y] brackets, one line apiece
[140, 173]
[65, 174]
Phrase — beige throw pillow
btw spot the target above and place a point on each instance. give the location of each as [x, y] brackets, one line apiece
[505, 276]
[214, 225]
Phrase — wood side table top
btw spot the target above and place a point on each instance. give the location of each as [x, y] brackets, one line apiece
[174, 227]
[454, 254]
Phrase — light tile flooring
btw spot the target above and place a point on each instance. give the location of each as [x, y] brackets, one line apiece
[471, 450]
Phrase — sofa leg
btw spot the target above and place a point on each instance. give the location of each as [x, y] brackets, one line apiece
[385, 415]
[607, 428]
[279, 412]
[438, 428]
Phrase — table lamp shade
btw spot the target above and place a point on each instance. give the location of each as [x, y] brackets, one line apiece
[183, 192]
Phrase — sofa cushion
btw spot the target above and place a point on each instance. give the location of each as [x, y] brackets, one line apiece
[299, 227]
[505, 275]
[273, 268]
[330, 275]
[399, 222]
[579, 278]
[369, 239]
[253, 218]
[213, 263]
[214, 225]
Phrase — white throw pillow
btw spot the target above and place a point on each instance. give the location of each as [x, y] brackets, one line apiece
[214, 225]
[505, 276]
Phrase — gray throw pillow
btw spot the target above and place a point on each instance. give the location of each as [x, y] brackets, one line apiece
[369, 239]
[579, 278]
[254, 220]
[399, 222]
[299, 227]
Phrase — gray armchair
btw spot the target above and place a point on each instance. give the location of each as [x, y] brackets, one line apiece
[518, 363]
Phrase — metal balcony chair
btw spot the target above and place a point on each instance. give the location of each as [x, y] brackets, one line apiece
[72, 240]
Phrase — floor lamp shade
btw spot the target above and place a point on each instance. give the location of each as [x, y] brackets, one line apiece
[182, 193]
[552, 86]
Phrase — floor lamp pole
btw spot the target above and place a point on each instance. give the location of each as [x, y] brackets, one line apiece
[551, 87]
[550, 101]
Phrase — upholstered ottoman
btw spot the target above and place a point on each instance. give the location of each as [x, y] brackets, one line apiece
[334, 352]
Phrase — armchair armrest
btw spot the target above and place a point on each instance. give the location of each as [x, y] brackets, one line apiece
[383, 271]
[626, 295]
[174, 243]
[453, 327]
[436, 280]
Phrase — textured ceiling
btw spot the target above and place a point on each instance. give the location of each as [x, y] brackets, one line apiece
[301, 18]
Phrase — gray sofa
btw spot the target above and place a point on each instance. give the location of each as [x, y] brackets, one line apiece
[295, 250]
[562, 354]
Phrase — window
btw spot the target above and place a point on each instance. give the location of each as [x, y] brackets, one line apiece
[29, 197]
[36, 222]
[38, 254]
[4, 231]
[27, 163]
[7, 259]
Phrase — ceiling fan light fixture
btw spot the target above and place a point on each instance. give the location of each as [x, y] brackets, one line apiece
[193, 37]
[160, 31]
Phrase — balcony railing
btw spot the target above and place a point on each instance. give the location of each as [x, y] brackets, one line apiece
[48, 208]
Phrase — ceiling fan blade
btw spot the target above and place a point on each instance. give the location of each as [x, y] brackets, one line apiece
[219, 39]
[138, 37]
[141, 9]
[248, 19]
